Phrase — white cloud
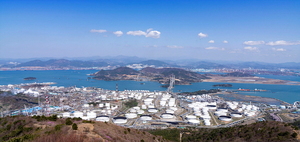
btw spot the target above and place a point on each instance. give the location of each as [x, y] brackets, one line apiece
[251, 48]
[151, 46]
[278, 49]
[174, 46]
[282, 42]
[225, 41]
[148, 30]
[202, 35]
[98, 31]
[137, 33]
[150, 33]
[254, 42]
[214, 48]
[153, 34]
[211, 41]
[118, 33]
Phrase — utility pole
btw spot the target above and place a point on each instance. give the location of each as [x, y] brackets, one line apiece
[117, 87]
[26, 109]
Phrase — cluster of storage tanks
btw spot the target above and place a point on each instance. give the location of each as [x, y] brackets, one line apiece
[233, 109]
[192, 119]
[200, 109]
[133, 112]
[167, 100]
[150, 104]
[123, 95]
[86, 116]
[203, 97]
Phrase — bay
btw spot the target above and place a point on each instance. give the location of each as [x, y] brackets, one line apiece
[78, 78]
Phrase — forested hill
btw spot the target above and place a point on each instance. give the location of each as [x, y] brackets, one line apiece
[161, 75]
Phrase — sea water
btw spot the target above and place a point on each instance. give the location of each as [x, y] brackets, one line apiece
[79, 78]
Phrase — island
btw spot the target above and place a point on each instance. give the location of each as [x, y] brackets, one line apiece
[200, 92]
[182, 77]
[161, 75]
[30, 78]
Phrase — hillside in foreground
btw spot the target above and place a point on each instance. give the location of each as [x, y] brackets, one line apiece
[267, 131]
[53, 129]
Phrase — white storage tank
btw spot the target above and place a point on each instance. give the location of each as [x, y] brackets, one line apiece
[167, 115]
[256, 108]
[194, 121]
[222, 109]
[251, 113]
[144, 107]
[198, 113]
[66, 114]
[85, 118]
[225, 118]
[131, 115]
[206, 116]
[147, 103]
[140, 112]
[189, 117]
[207, 122]
[211, 106]
[136, 108]
[119, 120]
[162, 103]
[102, 118]
[145, 117]
[78, 114]
[170, 111]
[91, 115]
[235, 103]
[152, 110]
[232, 106]
[235, 114]
[148, 100]
[219, 113]
[133, 110]
[240, 110]
[171, 103]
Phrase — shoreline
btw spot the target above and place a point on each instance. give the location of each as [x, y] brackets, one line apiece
[251, 80]
[249, 98]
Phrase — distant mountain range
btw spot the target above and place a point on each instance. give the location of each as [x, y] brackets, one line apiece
[61, 63]
[158, 63]
[206, 65]
[130, 61]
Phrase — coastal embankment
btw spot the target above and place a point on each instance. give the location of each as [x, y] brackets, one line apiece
[247, 98]
[254, 80]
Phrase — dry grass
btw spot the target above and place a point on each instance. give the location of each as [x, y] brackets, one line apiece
[48, 131]
[57, 137]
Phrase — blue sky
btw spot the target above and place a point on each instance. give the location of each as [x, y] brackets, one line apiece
[245, 30]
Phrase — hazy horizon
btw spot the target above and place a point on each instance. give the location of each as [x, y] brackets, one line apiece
[260, 31]
[93, 58]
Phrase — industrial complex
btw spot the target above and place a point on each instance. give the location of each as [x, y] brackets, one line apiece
[140, 109]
